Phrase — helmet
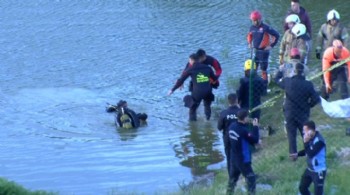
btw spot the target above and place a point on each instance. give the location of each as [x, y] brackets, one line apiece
[294, 52]
[333, 14]
[299, 29]
[248, 64]
[293, 18]
[255, 15]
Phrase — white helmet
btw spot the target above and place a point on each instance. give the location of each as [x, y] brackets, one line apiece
[333, 14]
[293, 18]
[299, 29]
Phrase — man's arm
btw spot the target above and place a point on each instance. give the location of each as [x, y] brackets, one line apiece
[221, 121]
[315, 149]
[275, 36]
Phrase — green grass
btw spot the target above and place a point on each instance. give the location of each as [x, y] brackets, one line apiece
[273, 167]
[11, 188]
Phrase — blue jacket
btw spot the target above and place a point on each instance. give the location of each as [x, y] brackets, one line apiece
[240, 140]
[315, 151]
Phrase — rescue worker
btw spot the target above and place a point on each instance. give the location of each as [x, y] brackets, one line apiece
[226, 118]
[210, 61]
[249, 97]
[315, 152]
[202, 88]
[262, 38]
[240, 141]
[301, 41]
[329, 31]
[287, 38]
[332, 56]
[126, 117]
[295, 8]
[300, 97]
[288, 68]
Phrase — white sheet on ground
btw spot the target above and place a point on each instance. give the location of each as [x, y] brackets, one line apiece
[336, 109]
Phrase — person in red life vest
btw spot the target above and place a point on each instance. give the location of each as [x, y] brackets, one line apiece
[210, 61]
[262, 38]
[332, 56]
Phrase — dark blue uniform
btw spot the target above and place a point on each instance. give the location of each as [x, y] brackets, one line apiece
[240, 140]
[202, 89]
[226, 118]
[258, 89]
[300, 98]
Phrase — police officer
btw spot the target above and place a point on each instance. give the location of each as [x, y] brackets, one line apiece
[226, 118]
[251, 89]
[300, 97]
[202, 88]
[330, 31]
[240, 140]
[259, 37]
[315, 151]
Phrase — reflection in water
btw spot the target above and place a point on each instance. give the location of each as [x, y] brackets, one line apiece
[197, 150]
[127, 134]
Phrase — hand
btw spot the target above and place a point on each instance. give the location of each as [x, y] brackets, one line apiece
[328, 88]
[268, 48]
[318, 55]
[255, 122]
[293, 157]
[281, 60]
[170, 92]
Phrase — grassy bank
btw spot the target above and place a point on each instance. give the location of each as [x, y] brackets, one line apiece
[11, 188]
[276, 173]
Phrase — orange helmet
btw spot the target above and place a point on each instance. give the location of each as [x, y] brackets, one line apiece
[255, 15]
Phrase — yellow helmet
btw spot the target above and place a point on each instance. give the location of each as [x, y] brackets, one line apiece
[248, 64]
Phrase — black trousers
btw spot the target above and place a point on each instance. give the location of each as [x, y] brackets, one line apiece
[338, 74]
[293, 124]
[207, 106]
[246, 170]
[262, 59]
[227, 147]
[312, 177]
